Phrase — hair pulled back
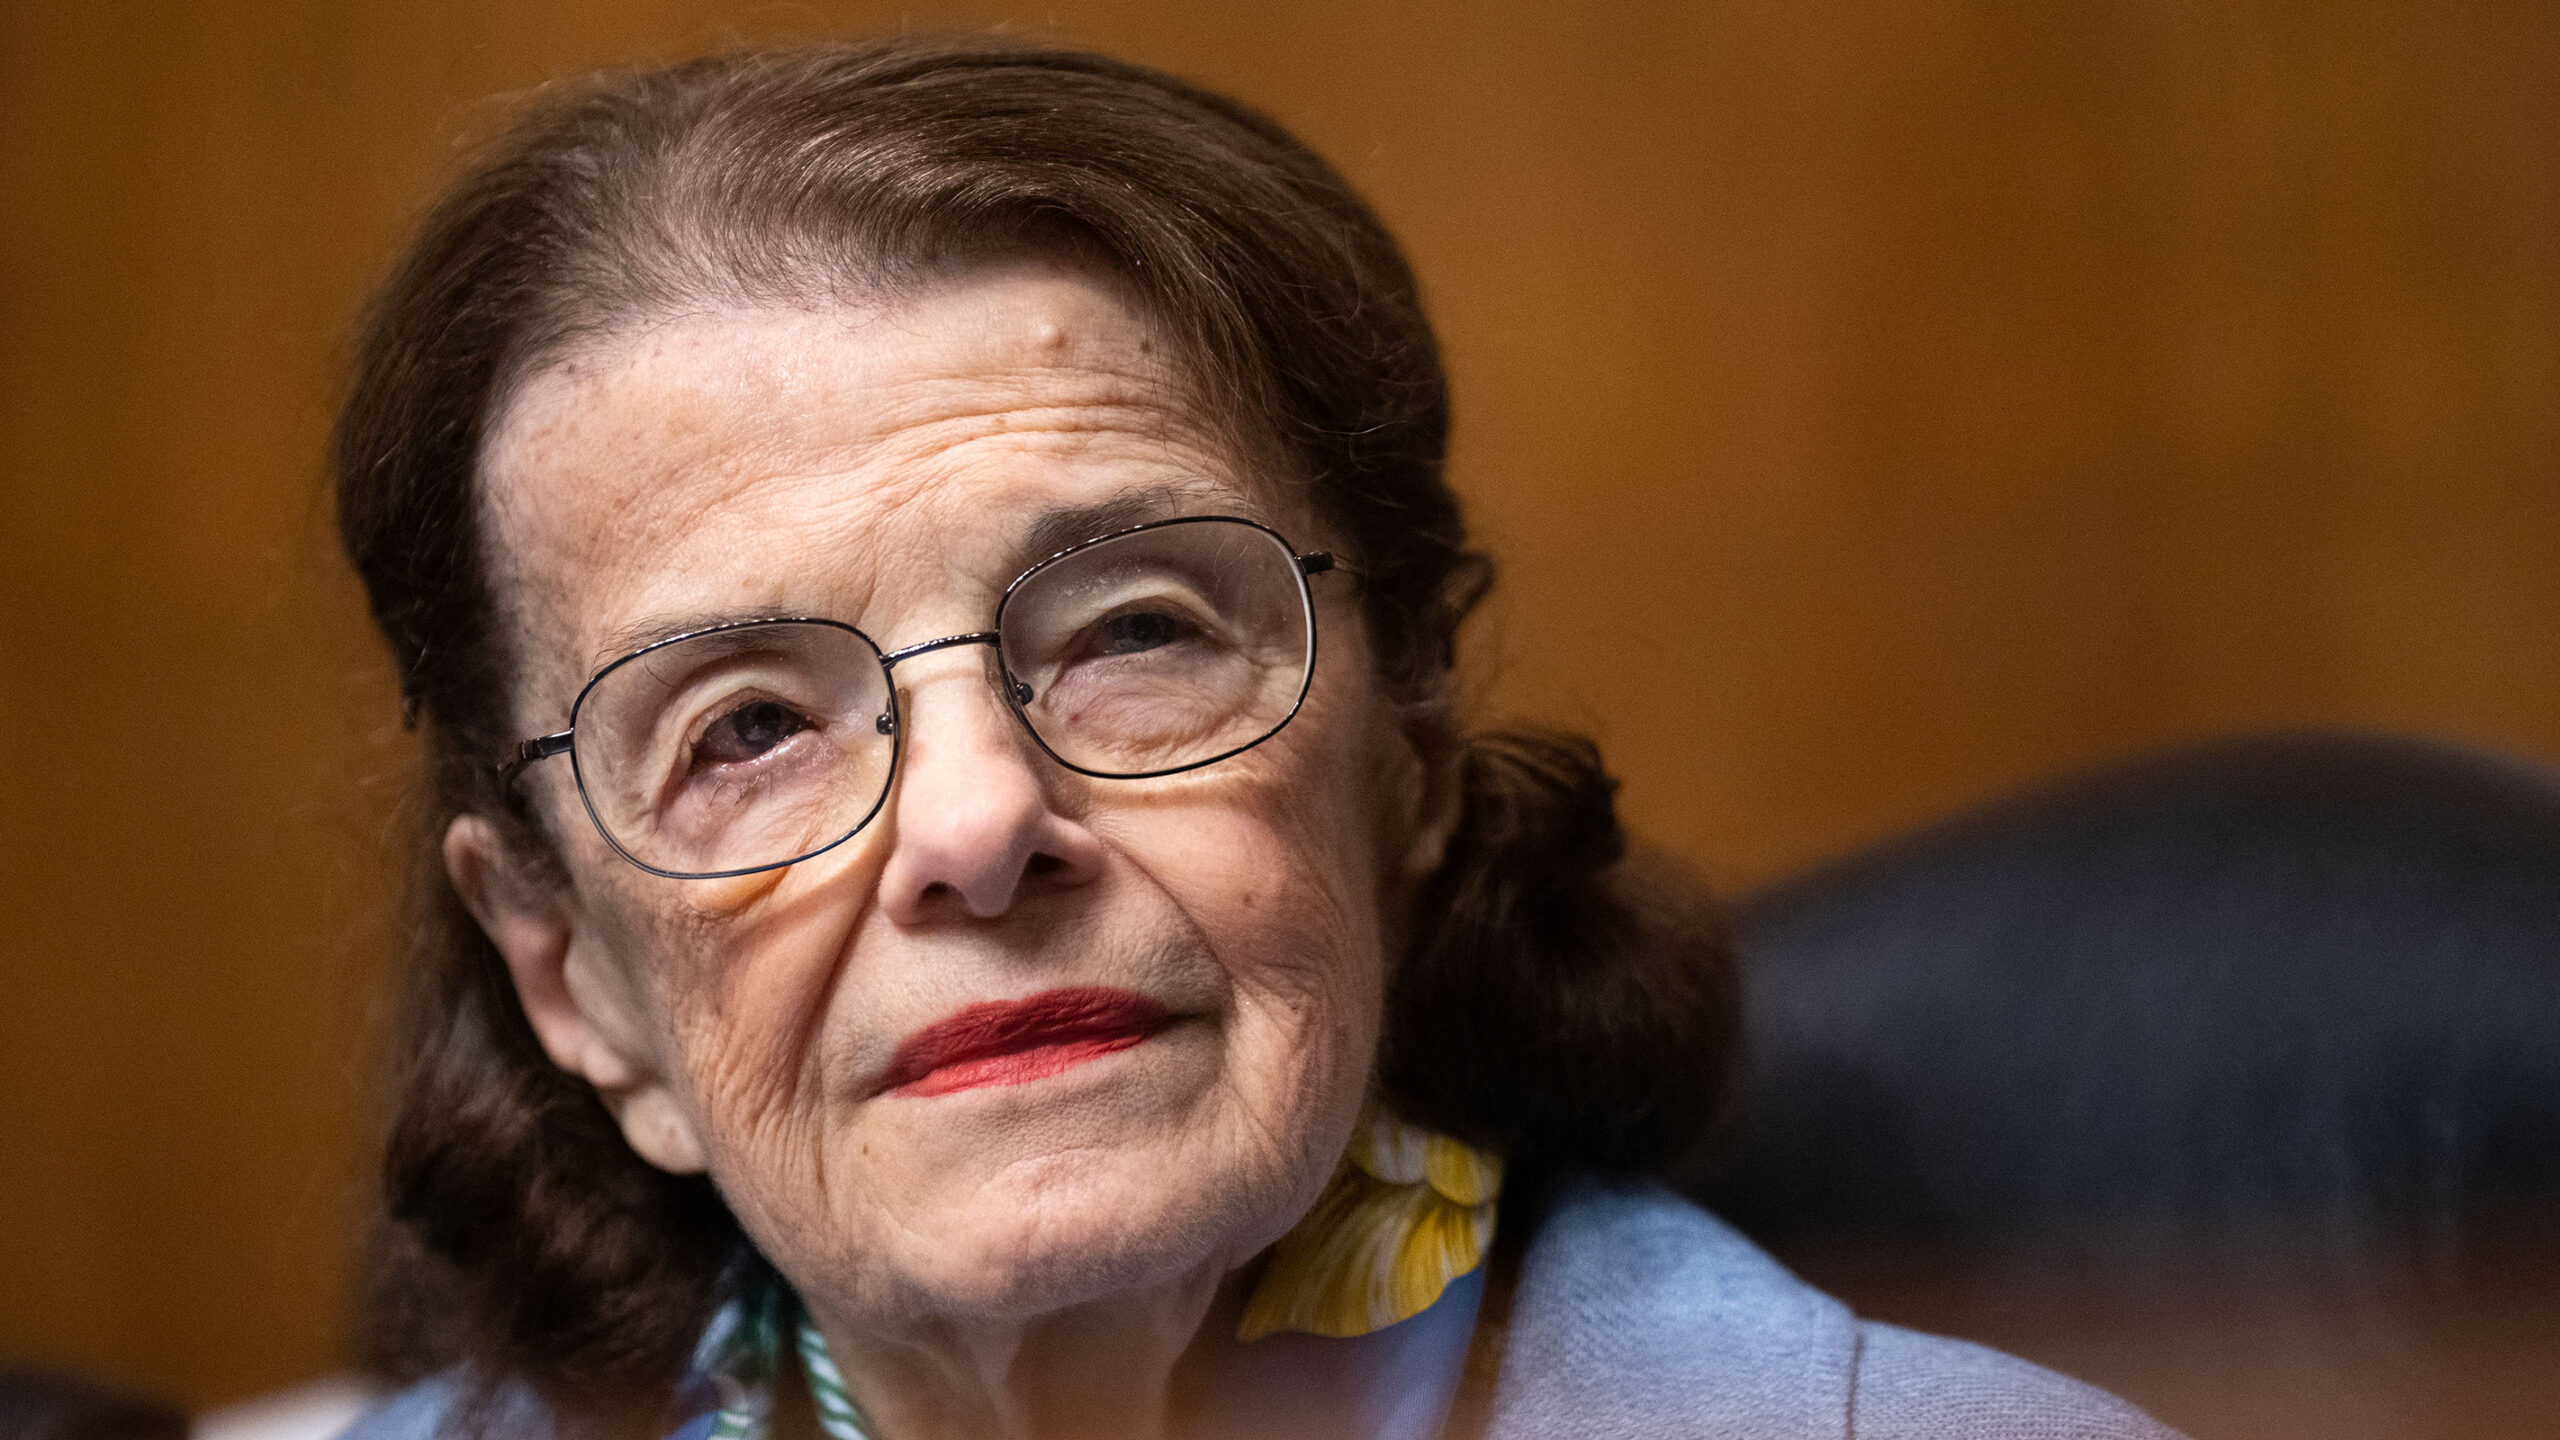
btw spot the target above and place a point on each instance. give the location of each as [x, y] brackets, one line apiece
[1558, 1004]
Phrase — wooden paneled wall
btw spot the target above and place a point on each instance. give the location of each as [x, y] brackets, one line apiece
[1877, 404]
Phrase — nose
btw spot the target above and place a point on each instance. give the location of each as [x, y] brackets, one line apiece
[975, 827]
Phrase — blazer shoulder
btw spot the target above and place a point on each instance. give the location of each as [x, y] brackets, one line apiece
[447, 1407]
[1638, 1314]
[1912, 1386]
[1636, 1310]
[416, 1413]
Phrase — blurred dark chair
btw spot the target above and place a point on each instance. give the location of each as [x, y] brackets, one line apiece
[41, 1405]
[2230, 1080]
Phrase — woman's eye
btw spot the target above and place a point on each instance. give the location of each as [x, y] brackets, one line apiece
[747, 732]
[1139, 630]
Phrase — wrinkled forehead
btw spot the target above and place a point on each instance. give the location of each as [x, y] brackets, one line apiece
[888, 463]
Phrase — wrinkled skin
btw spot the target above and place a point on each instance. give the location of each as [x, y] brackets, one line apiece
[1021, 1259]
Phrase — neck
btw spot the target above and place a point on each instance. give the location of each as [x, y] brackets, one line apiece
[1101, 1369]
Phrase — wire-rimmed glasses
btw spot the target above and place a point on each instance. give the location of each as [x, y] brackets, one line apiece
[760, 743]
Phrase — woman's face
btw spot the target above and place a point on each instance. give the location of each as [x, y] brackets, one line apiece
[892, 466]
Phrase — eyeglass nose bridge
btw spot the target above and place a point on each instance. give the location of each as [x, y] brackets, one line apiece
[1015, 691]
[904, 653]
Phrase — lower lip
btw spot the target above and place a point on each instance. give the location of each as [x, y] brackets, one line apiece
[1019, 1067]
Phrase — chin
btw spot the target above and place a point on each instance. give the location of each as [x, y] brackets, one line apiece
[1016, 1238]
[1035, 1244]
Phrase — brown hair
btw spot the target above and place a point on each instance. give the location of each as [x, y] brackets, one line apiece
[1557, 1005]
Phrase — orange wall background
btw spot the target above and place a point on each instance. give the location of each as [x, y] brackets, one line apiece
[1879, 405]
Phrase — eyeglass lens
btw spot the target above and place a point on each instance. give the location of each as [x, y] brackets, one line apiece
[760, 744]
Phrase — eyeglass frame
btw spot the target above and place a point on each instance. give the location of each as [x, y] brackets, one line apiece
[1304, 566]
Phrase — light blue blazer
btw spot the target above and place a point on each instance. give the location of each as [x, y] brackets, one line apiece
[1637, 1316]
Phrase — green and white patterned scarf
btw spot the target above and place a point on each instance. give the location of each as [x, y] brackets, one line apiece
[741, 1353]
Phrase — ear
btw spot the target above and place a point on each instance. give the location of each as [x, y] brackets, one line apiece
[1433, 787]
[581, 1004]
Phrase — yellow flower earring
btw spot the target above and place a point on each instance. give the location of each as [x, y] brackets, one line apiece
[1407, 1212]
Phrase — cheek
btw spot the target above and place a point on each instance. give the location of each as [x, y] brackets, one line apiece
[1280, 871]
[740, 975]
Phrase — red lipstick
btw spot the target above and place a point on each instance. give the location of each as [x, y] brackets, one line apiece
[1011, 1042]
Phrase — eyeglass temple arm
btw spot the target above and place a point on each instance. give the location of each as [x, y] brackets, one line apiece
[1319, 561]
[540, 747]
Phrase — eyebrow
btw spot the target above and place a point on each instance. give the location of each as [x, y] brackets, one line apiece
[640, 635]
[1069, 526]
[1048, 533]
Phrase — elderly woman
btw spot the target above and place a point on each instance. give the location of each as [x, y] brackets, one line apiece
[959, 904]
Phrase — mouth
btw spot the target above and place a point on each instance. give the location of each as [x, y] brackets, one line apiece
[1014, 1042]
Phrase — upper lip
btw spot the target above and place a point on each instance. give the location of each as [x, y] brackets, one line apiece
[1001, 1027]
